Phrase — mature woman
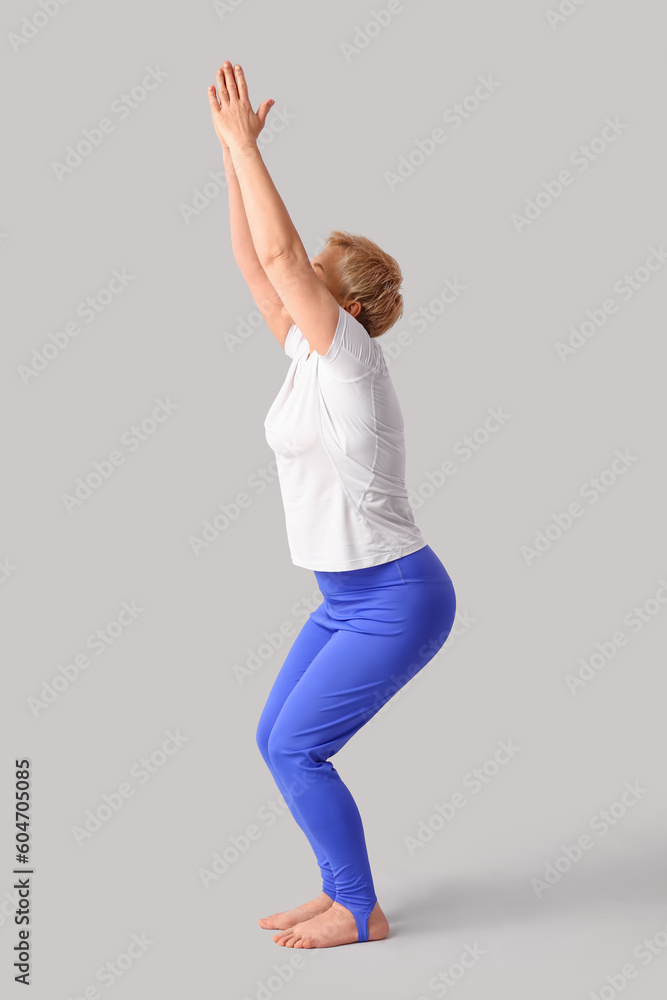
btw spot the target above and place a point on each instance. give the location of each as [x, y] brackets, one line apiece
[337, 431]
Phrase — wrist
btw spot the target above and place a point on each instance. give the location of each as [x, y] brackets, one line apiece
[244, 147]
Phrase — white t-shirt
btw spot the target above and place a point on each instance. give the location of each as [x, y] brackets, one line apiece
[337, 431]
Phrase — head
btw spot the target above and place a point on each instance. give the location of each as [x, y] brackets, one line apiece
[363, 279]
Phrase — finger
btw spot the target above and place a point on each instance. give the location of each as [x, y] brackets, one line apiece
[241, 83]
[213, 99]
[222, 87]
[229, 79]
[263, 110]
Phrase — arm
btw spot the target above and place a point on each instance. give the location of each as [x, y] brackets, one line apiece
[242, 245]
[273, 232]
[279, 249]
[266, 298]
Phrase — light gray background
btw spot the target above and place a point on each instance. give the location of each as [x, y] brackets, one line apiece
[521, 627]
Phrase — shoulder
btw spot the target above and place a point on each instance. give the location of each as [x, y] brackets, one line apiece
[352, 353]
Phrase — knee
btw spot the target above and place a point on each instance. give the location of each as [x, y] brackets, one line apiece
[277, 746]
[284, 750]
[297, 766]
[276, 742]
[262, 738]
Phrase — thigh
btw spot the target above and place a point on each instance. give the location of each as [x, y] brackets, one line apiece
[357, 672]
[308, 644]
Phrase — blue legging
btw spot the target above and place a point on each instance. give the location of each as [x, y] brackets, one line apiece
[374, 630]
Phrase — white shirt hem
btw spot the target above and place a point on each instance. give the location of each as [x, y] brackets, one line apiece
[363, 563]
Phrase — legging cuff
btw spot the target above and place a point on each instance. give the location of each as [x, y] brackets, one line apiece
[361, 916]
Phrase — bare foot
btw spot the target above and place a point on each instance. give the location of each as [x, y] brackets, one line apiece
[287, 918]
[335, 926]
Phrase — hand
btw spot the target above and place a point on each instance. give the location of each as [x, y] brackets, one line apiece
[234, 120]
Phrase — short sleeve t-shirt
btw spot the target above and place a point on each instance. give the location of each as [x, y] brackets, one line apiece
[337, 431]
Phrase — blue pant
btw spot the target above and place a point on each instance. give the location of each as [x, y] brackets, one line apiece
[374, 630]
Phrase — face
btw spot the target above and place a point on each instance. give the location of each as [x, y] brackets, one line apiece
[325, 266]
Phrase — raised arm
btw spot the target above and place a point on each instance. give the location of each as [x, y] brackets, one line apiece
[245, 254]
[277, 244]
[264, 294]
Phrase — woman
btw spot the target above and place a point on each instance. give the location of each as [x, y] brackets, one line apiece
[337, 431]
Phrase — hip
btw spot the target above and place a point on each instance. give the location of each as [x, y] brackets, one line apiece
[421, 566]
[414, 588]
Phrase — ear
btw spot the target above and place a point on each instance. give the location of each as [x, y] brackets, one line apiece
[353, 307]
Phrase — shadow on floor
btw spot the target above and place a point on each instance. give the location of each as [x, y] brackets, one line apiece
[448, 903]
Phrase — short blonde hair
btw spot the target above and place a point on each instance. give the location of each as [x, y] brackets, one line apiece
[369, 274]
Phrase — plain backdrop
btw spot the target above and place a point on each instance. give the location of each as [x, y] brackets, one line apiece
[513, 152]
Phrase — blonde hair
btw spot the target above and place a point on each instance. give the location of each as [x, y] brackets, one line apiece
[370, 275]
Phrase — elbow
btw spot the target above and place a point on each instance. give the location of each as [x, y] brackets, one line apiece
[280, 255]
